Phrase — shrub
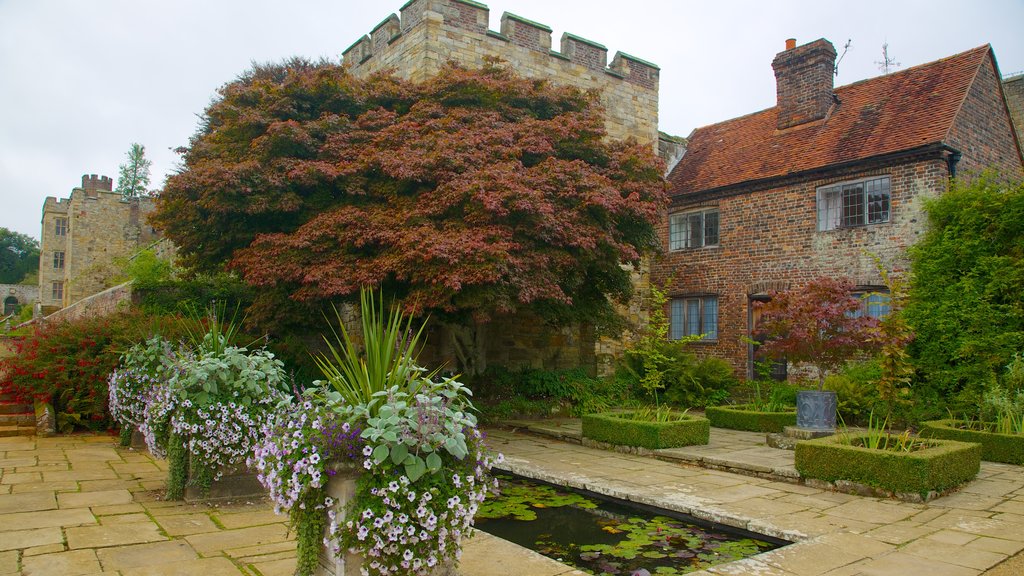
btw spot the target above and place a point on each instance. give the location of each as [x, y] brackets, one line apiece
[944, 464]
[511, 392]
[620, 429]
[68, 363]
[966, 306]
[995, 447]
[747, 417]
[856, 388]
[705, 383]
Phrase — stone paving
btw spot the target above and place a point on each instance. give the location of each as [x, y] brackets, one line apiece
[76, 505]
[79, 505]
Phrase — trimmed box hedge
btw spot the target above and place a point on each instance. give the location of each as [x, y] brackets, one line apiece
[943, 465]
[744, 417]
[618, 428]
[995, 447]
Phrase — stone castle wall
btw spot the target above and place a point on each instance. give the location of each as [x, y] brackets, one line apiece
[101, 228]
[431, 33]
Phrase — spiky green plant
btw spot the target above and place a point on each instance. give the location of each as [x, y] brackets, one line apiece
[387, 358]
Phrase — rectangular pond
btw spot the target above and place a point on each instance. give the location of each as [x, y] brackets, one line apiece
[601, 535]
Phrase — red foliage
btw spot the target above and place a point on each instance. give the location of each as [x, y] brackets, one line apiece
[819, 323]
[476, 191]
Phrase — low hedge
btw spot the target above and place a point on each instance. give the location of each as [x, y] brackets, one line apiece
[943, 465]
[744, 417]
[995, 447]
[618, 428]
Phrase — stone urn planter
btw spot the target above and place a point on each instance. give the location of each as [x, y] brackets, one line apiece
[342, 488]
[816, 411]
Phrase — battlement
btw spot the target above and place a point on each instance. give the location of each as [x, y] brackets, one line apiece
[93, 183]
[472, 18]
[53, 204]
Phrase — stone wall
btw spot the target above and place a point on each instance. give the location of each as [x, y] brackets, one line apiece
[25, 294]
[102, 228]
[430, 33]
[101, 304]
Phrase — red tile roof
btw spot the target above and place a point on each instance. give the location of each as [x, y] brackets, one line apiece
[901, 111]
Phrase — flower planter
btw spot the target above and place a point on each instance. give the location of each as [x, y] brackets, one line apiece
[942, 465]
[745, 417]
[617, 428]
[816, 410]
[342, 488]
[995, 447]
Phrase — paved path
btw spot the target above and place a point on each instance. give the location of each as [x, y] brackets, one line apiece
[79, 505]
[837, 534]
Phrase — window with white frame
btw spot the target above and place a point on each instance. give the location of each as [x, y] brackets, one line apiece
[57, 291]
[850, 204]
[693, 316]
[61, 227]
[693, 229]
[58, 260]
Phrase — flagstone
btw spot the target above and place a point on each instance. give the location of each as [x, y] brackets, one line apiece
[124, 519]
[66, 486]
[204, 566]
[186, 524]
[281, 567]
[44, 549]
[73, 563]
[165, 552]
[17, 539]
[92, 454]
[8, 562]
[246, 519]
[136, 468]
[264, 549]
[212, 542]
[116, 535]
[902, 564]
[45, 519]
[117, 509]
[98, 498]
[996, 545]
[27, 502]
[872, 511]
[77, 474]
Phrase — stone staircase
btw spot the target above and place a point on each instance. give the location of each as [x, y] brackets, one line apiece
[16, 419]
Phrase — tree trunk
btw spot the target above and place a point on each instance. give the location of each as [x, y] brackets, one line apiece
[470, 346]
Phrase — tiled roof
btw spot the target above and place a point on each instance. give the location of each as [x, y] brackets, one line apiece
[900, 111]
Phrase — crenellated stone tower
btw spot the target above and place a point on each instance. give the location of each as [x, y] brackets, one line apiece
[83, 235]
[430, 33]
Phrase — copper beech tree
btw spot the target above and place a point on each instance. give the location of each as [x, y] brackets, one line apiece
[821, 324]
[474, 194]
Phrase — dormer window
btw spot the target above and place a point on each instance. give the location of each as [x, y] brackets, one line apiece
[851, 204]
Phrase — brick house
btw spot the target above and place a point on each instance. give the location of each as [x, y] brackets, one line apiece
[807, 188]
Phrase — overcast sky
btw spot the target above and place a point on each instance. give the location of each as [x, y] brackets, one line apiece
[80, 80]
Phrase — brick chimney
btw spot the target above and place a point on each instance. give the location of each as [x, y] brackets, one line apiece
[804, 82]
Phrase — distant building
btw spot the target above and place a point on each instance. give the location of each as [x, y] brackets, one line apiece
[1013, 88]
[15, 296]
[815, 185]
[83, 236]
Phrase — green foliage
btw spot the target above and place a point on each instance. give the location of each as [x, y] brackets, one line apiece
[177, 467]
[519, 500]
[748, 417]
[309, 522]
[856, 389]
[145, 268]
[655, 363]
[177, 294]
[966, 306]
[124, 436]
[944, 465]
[995, 446]
[19, 256]
[531, 391]
[618, 428]
[386, 360]
[133, 175]
[878, 437]
[893, 336]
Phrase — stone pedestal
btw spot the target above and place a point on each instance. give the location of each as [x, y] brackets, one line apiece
[790, 435]
[342, 488]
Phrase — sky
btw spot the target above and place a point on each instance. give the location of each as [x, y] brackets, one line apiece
[80, 81]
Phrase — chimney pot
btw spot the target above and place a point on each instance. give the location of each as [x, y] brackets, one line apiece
[790, 43]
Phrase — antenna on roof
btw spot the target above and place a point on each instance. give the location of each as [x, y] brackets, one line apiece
[887, 63]
[835, 72]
